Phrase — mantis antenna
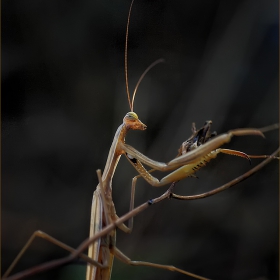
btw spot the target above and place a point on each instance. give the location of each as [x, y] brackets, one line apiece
[131, 102]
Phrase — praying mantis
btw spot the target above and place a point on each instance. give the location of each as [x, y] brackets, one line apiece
[166, 138]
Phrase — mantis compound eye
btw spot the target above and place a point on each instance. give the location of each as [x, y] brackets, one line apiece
[131, 116]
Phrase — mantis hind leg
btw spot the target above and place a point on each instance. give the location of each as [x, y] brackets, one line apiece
[122, 257]
[50, 239]
[123, 227]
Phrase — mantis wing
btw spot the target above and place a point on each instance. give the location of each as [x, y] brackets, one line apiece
[99, 251]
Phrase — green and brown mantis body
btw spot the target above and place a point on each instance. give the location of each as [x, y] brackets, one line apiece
[193, 160]
[195, 157]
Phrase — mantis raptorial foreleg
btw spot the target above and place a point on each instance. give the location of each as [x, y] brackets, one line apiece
[232, 182]
[188, 163]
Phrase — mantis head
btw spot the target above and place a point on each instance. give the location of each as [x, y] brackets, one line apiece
[131, 121]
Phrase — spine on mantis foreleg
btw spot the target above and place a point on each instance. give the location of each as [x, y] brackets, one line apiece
[177, 175]
[189, 170]
[185, 171]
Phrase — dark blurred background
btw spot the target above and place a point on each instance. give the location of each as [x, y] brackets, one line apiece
[63, 97]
